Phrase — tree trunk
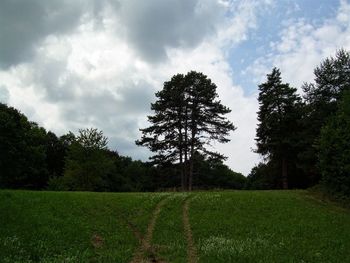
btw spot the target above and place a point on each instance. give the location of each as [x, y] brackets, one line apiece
[284, 174]
[181, 158]
[182, 172]
[186, 157]
[190, 179]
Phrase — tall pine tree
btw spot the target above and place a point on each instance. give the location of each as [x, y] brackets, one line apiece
[188, 117]
[278, 115]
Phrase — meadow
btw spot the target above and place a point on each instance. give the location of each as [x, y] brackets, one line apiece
[226, 226]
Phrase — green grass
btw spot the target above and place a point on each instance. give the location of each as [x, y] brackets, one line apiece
[168, 237]
[61, 226]
[269, 226]
[229, 226]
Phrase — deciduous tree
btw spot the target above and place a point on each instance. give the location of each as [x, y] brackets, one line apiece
[88, 163]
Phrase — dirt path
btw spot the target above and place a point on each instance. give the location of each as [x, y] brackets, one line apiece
[191, 248]
[146, 253]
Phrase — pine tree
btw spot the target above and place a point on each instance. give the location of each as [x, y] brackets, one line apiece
[278, 115]
[188, 117]
[332, 79]
[206, 118]
[167, 133]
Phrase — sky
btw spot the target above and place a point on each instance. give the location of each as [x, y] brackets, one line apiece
[69, 65]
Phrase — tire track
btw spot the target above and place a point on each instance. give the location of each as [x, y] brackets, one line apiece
[191, 248]
[146, 253]
[137, 234]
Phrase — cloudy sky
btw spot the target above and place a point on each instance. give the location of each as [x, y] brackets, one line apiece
[97, 63]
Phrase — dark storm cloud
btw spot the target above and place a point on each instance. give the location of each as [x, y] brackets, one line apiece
[154, 25]
[151, 26]
[24, 23]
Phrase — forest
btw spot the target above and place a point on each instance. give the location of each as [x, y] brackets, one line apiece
[303, 137]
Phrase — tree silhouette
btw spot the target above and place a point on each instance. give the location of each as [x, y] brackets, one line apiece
[188, 118]
[278, 115]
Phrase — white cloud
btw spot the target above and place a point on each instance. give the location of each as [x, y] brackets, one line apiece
[4, 94]
[100, 74]
[243, 18]
[302, 46]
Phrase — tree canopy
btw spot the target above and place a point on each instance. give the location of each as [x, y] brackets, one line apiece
[22, 151]
[332, 78]
[334, 149]
[278, 116]
[187, 118]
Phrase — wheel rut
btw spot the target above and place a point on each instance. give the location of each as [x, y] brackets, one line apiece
[146, 252]
[191, 248]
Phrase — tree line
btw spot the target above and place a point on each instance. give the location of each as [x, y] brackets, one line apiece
[33, 158]
[304, 139]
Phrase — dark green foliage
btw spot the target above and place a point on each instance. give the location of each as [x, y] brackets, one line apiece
[118, 181]
[211, 174]
[334, 150]
[139, 176]
[310, 139]
[87, 164]
[268, 176]
[208, 174]
[188, 117]
[92, 139]
[34, 159]
[332, 78]
[165, 135]
[56, 151]
[22, 151]
[35, 167]
[278, 128]
[263, 176]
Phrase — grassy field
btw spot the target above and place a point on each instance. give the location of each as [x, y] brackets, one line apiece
[230, 226]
